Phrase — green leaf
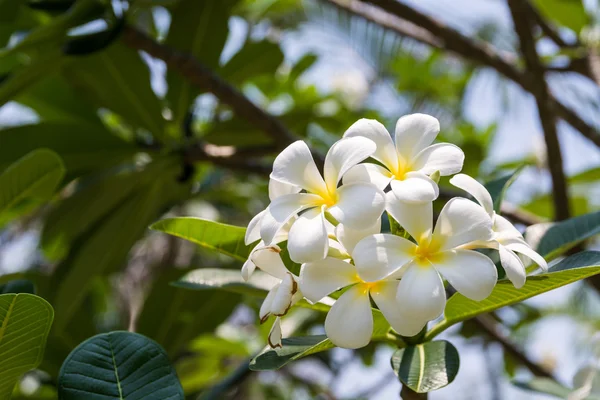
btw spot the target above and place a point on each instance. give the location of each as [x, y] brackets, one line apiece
[498, 187]
[427, 366]
[199, 28]
[254, 59]
[569, 13]
[18, 286]
[225, 239]
[36, 175]
[118, 79]
[229, 280]
[118, 365]
[574, 268]
[566, 234]
[293, 348]
[25, 321]
[302, 66]
[547, 386]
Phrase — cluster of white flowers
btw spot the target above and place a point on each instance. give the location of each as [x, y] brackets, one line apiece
[332, 223]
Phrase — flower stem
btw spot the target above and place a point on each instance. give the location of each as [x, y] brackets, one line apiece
[408, 394]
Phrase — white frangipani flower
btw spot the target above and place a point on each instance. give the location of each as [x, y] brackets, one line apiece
[355, 205]
[506, 238]
[421, 293]
[349, 322]
[408, 163]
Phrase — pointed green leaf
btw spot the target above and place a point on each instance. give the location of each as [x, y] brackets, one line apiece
[254, 59]
[293, 348]
[547, 386]
[36, 176]
[566, 234]
[118, 365]
[498, 187]
[569, 13]
[25, 321]
[427, 366]
[572, 269]
[225, 239]
[227, 279]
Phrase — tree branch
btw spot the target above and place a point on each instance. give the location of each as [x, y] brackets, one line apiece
[523, 21]
[548, 29]
[447, 38]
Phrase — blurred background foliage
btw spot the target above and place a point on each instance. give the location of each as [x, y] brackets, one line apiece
[140, 140]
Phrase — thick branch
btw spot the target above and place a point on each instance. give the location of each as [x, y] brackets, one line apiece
[471, 49]
[523, 21]
[199, 75]
[548, 29]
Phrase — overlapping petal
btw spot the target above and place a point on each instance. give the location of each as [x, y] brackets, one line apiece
[416, 187]
[349, 323]
[514, 268]
[367, 172]
[268, 259]
[421, 293]
[475, 189]
[444, 157]
[275, 334]
[349, 237]
[523, 248]
[358, 205]
[281, 210]
[414, 133]
[320, 278]
[384, 295]
[278, 189]
[461, 221]
[307, 240]
[374, 130]
[471, 273]
[416, 219]
[253, 230]
[343, 155]
[295, 166]
[378, 256]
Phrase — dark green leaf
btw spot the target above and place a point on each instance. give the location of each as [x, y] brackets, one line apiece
[302, 66]
[569, 13]
[254, 59]
[547, 386]
[293, 349]
[566, 234]
[427, 366]
[225, 239]
[25, 321]
[118, 365]
[18, 286]
[498, 187]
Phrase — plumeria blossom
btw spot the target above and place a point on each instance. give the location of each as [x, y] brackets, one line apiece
[420, 293]
[349, 322]
[409, 161]
[506, 238]
[355, 205]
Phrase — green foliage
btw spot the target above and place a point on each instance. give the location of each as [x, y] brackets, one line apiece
[35, 176]
[119, 365]
[225, 239]
[569, 13]
[426, 367]
[25, 321]
[18, 286]
[498, 188]
[549, 387]
[293, 349]
[254, 59]
[564, 235]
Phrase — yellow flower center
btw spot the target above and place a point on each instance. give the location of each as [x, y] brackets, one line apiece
[427, 254]
[403, 168]
[368, 286]
[327, 198]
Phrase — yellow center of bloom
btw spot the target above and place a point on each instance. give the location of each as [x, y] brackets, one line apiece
[328, 198]
[404, 167]
[428, 253]
[368, 286]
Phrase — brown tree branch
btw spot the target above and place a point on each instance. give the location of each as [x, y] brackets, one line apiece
[524, 25]
[447, 38]
[549, 29]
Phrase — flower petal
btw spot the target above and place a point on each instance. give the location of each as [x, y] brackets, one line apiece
[274, 338]
[359, 205]
[444, 157]
[421, 293]
[415, 132]
[265, 307]
[505, 231]
[343, 155]
[461, 221]
[415, 188]
[416, 219]
[253, 230]
[278, 189]
[374, 130]
[283, 295]
[320, 278]
[295, 166]
[514, 268]
[471, 273]
[248, 269]
[307, 240]
[349, 237]
[268, 259]
[281, 210]
[384, 295]
[475, 189]
[349, 323]
[378, 256]
[529, 253]
[367, 172]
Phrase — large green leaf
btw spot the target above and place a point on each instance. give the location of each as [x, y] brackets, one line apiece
[82, 147]
[293, 348]
[199, 28]
[118, 365]
[566, 234]
[427, 366]
[225, 239]
[572, 269]
[498, 187]
[25, 321]
[36, 176]
[569, 13]
[254, 59]
[118, 79]
[227, 280]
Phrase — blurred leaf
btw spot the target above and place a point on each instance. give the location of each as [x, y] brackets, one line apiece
[36, 175]
[120, 365]
[302, 66]
[18, 286]
[569, 13]
[293, 348]
[235, 132]
[587, 176]
[225, 239]
[25, 322]
[427, 366]
[229, 280]
[564, 235]
[498, 188]
[118, 79]
[572, 269]
[547, 386]
[199, 28]
[254, 59]
[82, 147]
[93, 42]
